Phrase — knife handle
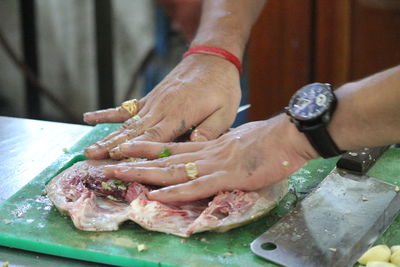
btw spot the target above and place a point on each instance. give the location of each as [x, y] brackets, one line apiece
[360, 161]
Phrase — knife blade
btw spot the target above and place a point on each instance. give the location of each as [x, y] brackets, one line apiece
[337, 221]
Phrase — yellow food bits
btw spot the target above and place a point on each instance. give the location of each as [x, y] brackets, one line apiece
[376, 253]
[395, 258]
[380, 264]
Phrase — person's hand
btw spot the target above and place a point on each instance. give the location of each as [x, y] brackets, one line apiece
[203, 91]
[248, 158]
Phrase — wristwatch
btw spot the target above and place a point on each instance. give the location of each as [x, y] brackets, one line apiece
[311, 109]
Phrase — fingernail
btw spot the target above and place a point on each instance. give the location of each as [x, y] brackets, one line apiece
[196, 136]
[85, 116]
[88, 118]
[109, 171]
[150, 195]
[125, 145]
[158, 195]
[98, 153]
[115, 153]
[92, 147]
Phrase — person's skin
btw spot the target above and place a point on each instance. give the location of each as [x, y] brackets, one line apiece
[202, 91]
[261, 153]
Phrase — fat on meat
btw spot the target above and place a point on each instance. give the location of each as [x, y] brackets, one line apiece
[77, 192]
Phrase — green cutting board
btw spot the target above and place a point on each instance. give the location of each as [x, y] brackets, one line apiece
[29, 221]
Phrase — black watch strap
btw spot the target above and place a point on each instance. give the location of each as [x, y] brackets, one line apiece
[322, 142]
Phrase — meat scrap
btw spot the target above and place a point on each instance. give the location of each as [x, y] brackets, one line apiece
[95, 203]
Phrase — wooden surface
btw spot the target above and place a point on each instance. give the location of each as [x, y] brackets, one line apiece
[26, 148]
[375, 36]
[279, 55]
[296, 42]
[332, 41]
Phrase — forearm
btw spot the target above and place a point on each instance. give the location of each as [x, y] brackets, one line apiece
[368, 112]
[227, 24]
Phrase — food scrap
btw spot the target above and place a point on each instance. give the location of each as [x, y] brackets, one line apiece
[141, 247]
[395, 248]
[165, 153]
[395, 257]
[376, 253]
[114, 184]
[379, 264]
[227, 254]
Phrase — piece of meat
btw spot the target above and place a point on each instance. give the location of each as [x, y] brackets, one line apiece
[97, 204]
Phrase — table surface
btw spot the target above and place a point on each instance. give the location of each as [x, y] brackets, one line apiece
[27, 147]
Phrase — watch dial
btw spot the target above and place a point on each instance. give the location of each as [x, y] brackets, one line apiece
[311, 101]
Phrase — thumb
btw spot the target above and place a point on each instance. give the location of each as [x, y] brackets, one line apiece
[211, 128]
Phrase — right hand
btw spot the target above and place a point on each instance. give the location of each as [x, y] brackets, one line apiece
[201, 92]
[248, 158]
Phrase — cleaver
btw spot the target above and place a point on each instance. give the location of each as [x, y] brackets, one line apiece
[338, 221]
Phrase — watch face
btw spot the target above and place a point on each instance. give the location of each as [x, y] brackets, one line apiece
[310, 101]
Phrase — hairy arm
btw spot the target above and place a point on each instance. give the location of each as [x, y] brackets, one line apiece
[227, 24]
[205, 87]
[368, 112]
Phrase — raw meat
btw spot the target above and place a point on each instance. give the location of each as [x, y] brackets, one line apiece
[97, 204]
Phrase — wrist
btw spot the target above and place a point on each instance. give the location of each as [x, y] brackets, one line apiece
[232, 47]
[217, 52]
[297, 140]
[343, 121]
[204, 63]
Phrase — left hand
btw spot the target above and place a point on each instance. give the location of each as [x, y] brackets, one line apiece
[201, 92]
[248, 158]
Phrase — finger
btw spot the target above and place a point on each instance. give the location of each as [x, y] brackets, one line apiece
[100, 150]
[165, 131]
[173, 174]
[106, 115]
[152, 150]
[144, 106]
[135, 121]
[109, 169]
[197, 189]
[211, 128]
[165, 162]
[110, 144]
[97, 150]
[117, 114]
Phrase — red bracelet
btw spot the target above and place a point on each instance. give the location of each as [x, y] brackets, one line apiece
[211, 50]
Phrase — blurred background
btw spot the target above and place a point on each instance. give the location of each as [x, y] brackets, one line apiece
[59, 59]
